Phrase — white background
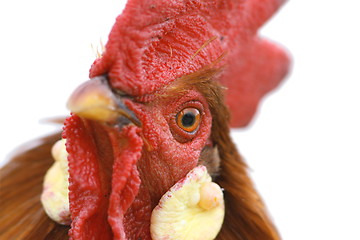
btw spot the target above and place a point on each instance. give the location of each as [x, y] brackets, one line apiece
[303, 146]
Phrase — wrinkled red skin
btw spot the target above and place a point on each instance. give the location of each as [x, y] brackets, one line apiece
[103, 177]
[125, 178]
[152, 43]
[88, 185]
[165, 152]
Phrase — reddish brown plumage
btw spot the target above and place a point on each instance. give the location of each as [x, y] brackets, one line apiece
[246, 216]
[22, 215]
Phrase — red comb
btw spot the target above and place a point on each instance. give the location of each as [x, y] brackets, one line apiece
[154, 42]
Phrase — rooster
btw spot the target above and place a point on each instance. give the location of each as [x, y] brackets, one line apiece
[157, 106]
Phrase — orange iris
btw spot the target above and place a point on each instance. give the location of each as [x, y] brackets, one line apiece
[188, 119]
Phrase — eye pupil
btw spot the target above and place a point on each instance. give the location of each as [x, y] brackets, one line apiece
[188, 119]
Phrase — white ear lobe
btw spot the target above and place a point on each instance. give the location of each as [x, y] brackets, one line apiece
[192, 209]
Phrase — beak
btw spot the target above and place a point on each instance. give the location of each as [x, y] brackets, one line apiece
[95, 100]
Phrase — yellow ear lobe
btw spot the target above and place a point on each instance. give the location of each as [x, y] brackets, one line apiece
[55, 195]
[192, 209]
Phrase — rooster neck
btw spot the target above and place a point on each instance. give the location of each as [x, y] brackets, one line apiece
[246, 216]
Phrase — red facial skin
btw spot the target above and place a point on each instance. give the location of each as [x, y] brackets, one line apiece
[164, 159]
[165, 151]
[145, 162]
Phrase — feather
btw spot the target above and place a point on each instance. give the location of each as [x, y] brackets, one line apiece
[245, 216]
[22, 215]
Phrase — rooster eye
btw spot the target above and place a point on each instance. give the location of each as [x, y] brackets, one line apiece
[188, 119]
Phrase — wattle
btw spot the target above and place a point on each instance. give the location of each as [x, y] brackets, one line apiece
[104, 180]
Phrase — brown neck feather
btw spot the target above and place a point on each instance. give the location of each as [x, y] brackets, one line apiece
[246, 217]
[22, 215]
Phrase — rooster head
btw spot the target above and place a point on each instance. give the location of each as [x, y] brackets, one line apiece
[156, 107]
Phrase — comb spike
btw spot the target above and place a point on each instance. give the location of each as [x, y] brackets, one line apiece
[259, 11]
[248, 81]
